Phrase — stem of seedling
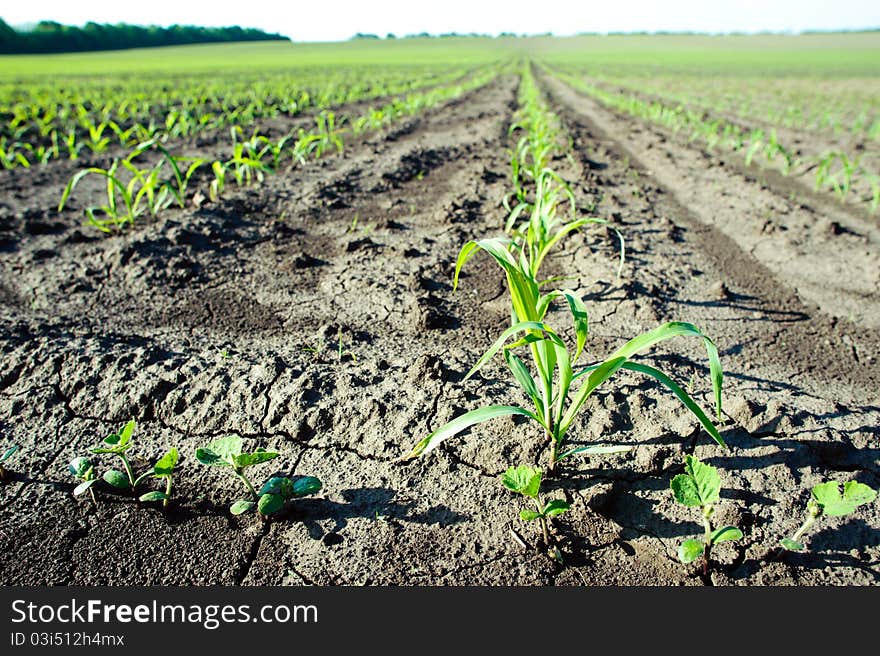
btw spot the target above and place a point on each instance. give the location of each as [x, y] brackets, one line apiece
[554, 452]
[128, 471]
[544, 528]
[707, 539]
[167, 492]
[245, 480]
[815, 511]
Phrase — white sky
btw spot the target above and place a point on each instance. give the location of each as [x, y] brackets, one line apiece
[331, 20]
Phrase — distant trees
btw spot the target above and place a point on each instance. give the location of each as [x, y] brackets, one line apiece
[49, 36]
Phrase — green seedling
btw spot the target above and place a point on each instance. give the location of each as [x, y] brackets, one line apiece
[3, 458]
[181, 175]
[826, 500]
[700, 487]
[246, 164]
[218, 184]
[554, 363]
[118, 444]
[278, 490]
[82, 469]
[162, 470]
[116, 189]
[227, 452]
[526, 480]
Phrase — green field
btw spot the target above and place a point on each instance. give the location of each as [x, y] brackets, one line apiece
[816, 55]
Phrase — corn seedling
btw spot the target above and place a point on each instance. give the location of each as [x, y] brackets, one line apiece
[181, 176]
[96, 142]
[841, 181]
[874, 181]
[756, 143]
[11, 451]
[115, 216]
[700, 487]
[73, 146]
[527, 481]
[826, 500]
[11, 155]
[535, 235]
[273, 495]
[218, 184]
[247, 163]
[553, 362]
[125, 137]
[328, 135]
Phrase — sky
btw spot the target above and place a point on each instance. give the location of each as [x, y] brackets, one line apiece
[334, 20]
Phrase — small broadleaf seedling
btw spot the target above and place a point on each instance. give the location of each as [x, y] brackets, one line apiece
[526, 480]
[278, 490]
[163, 469]
[827, 500]
[275, 492]
[119, 444]
[82, 469]
[3, 458]
[700, 486]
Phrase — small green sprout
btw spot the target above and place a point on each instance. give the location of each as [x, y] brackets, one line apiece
[82, 469]
[278, 490]
[827, 500]
[700, 486]
[163, 469]
[3, 458]
[526, 480]
[118, 444]
[275, 492]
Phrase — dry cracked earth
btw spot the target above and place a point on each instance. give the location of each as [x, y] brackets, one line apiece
[314, 315]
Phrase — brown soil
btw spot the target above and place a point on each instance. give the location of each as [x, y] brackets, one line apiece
[226, 320]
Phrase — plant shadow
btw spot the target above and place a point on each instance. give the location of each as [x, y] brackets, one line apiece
[376, 503]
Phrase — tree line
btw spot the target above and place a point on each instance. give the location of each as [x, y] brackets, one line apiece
[49, 37]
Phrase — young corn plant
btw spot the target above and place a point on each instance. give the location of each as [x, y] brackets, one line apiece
[4, 457]
[181, 175]
[11, 156]
[273, 495]
[246, 164]
[73, 145]
[536, 233]
[841, 181]
[874, 181]
[526, 480]
[826, 500]
[143, 183]
[328, 135]
[700, 487]
[96, 141]
[218, 184]
[113, 214]
[554, 383]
